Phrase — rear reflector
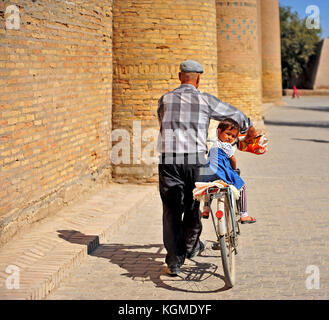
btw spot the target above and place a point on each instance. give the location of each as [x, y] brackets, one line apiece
[219, 214]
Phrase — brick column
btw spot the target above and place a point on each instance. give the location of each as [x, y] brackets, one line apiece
[151, 39]
[239, 58]
[271, 51]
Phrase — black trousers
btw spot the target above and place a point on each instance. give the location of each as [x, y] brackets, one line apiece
[181, 216]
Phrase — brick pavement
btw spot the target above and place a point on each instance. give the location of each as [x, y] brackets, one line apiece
[55, 246]
[287, 193]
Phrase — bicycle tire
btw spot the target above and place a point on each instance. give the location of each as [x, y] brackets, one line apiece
[227, 248]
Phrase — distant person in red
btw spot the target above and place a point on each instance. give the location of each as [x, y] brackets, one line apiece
[295, 93]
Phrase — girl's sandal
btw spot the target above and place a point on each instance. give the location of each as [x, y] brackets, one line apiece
[251, 220]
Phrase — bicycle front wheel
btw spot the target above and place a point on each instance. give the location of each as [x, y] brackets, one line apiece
[227, 247]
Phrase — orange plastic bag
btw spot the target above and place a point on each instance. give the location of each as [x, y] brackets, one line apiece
[258, 145]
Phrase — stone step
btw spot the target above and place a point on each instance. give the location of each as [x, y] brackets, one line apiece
[34, 263]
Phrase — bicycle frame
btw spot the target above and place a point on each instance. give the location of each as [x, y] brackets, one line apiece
[221, 231]
[232, 210]
[225, 222]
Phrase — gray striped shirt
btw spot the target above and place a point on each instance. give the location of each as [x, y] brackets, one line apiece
[184, 115]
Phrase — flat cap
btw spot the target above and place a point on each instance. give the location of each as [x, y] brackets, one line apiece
[191, 66]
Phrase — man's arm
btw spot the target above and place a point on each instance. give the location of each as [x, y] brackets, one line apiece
[220, 110]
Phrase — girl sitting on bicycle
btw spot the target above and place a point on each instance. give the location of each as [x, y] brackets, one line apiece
[222, 165]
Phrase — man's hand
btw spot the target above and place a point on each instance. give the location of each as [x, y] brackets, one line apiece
[251, 134]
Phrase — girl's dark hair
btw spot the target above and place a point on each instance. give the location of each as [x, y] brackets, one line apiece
[228, 124]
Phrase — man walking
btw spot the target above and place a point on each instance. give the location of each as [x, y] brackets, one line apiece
[184, 115]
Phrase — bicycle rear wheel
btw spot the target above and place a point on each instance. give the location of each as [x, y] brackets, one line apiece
[227, 246]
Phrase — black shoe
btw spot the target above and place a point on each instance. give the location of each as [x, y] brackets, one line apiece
[205, 215]
[196, 251]
[173, 271]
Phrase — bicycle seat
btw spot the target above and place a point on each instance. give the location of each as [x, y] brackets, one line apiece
[213, 189]
[203, 188]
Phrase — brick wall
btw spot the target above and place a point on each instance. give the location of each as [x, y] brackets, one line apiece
[239, 59]
[151, 39]
[55, 105]
[271, 51]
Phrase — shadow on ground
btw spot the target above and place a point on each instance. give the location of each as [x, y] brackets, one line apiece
[315, 124]
[146, 263]
[311, 140]
[321, 109]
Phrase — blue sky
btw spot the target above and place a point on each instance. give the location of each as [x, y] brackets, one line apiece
[301, 5]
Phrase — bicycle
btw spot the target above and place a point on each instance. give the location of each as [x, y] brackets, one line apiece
[225, 221]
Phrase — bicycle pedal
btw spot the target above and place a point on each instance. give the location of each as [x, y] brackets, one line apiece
[215, 246]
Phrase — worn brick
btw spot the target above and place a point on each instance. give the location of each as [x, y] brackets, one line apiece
[271, 51]
[150, 41]
[41, 95]
[239, 62]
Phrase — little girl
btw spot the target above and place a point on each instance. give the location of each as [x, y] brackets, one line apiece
[222, 165]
